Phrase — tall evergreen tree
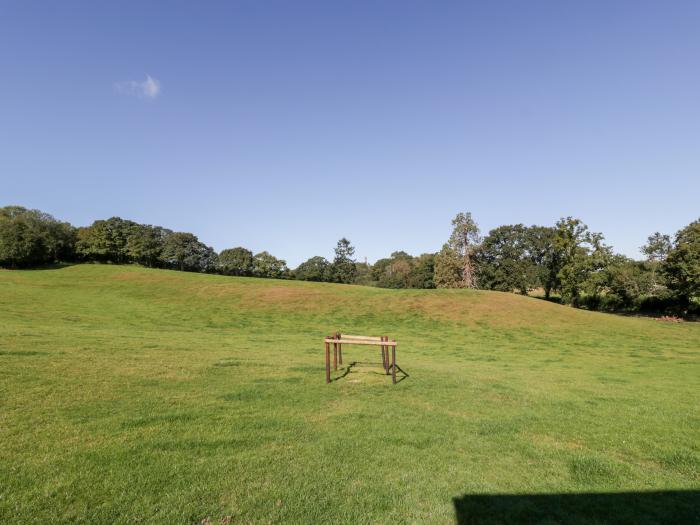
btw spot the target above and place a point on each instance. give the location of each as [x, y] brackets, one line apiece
[343, 268]
[463, 241]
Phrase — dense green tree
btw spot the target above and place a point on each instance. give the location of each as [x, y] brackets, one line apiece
[343, 268]
[448, 269]
[394, 271]
[627, 282]
[20, 242]
[314, 269]
[84, 239]
[236, 261]
[682, 265]
[379, 268]
[599, 257]
[145, 243]
[583, 256]
[106, 240]
[363, 274]
[183, 251]
[401, 270]
[504, 261]
[59, 240]
[267, 265]
[397, 273]
[545, 256]
[422, 271]
[31, 237]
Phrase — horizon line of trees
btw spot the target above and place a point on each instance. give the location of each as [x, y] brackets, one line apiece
[566, 261]
[569, 260]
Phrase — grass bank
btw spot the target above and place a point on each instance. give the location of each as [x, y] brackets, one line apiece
[131, 395]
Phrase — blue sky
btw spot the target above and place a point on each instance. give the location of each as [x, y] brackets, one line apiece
[283, 126]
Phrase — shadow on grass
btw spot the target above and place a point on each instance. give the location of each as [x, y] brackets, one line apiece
[667, 507]
[691, 316]
[348, 370]
[404, 374]
[52, 266]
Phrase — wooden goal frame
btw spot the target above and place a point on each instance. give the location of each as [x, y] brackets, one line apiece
[338, 340]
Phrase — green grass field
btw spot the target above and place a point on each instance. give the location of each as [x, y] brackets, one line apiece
[145, 396]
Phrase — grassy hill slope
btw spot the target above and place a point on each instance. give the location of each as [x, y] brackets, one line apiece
[131, 395]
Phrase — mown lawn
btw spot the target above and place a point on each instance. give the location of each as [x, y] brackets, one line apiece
[145, 396]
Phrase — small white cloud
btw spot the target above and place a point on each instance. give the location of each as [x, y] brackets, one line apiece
[149, 88]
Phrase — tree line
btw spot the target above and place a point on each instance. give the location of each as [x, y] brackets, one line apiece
[31, 238]
[565, 262]
[574, 263]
